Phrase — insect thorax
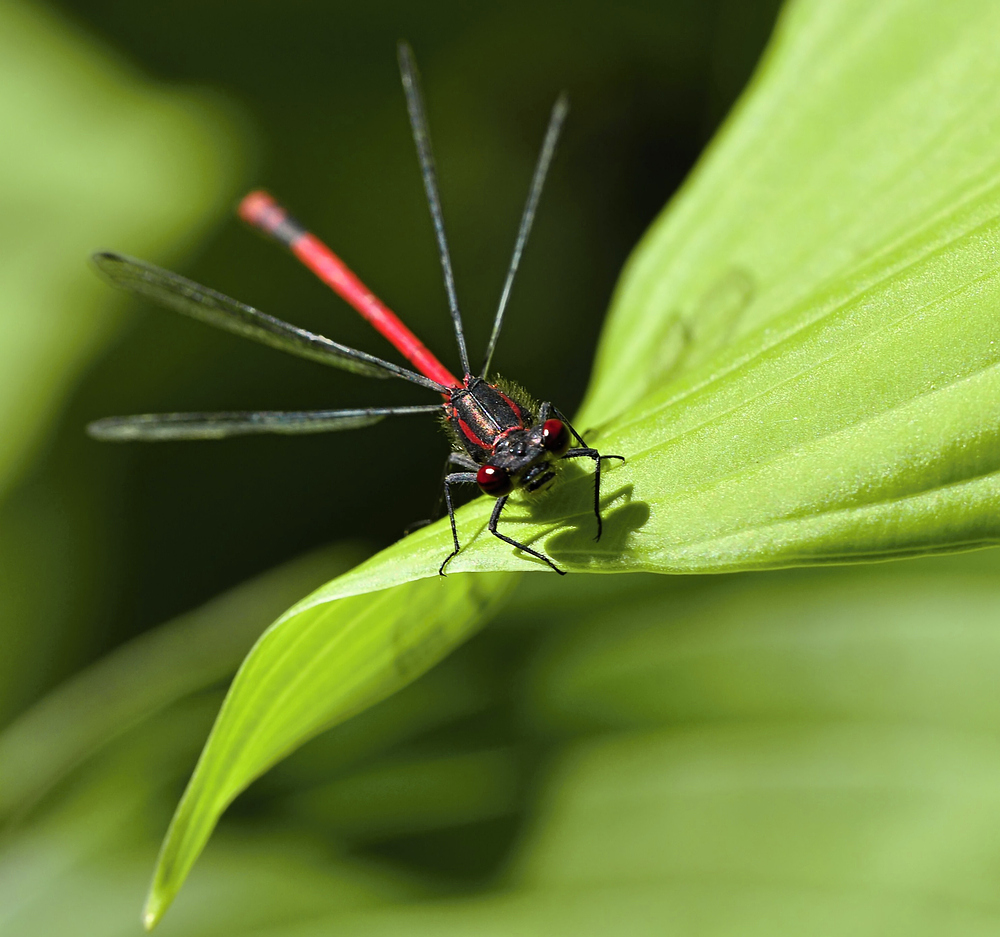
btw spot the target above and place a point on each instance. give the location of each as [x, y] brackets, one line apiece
[481, 412]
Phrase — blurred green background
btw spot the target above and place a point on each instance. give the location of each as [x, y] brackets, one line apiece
[801, 752]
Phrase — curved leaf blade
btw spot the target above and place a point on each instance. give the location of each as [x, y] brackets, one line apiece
[316, 666]
[863, 124]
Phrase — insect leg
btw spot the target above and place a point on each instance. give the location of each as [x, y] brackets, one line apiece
[454, 458]
[455, 478]
[460, 458]
[579, 438]
[494, 520]
[596, 456]
[584, 450]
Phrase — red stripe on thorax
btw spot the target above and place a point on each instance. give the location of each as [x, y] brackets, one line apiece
[510, 403]
[471, 436]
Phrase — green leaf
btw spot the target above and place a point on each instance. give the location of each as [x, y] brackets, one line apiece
[78, 862]
[316, 666]
[801, 366]
[816, 740]
[808, 751]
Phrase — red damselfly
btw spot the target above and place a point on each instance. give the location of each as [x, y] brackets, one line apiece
[501, 439]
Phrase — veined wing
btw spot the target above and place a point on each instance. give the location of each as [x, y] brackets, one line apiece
[556, 120]
[425, 155]
[199, 302]
[156, 427]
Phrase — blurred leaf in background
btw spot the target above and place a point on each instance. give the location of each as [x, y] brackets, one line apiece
[146, 676]
[94, 766]
[782, 753]
[90, 154]
[768, 753]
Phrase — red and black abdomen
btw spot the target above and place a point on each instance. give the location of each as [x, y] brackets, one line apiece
[481, 413]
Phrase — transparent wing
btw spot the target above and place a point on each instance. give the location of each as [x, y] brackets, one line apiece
[556, 120]
[156, 427]
[199, 302]
[425, 154]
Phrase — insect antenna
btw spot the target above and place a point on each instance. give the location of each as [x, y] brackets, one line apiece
[556, 120]
[421, 137]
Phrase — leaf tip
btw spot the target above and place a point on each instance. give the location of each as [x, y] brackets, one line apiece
[154, 909]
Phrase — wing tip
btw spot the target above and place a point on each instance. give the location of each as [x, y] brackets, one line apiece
[106, 430]
[110, 264]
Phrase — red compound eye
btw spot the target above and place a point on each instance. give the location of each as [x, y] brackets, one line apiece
[555, 437]
[494, 480]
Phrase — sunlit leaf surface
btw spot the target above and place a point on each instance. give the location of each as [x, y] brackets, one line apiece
[801, 367]
[337, 659]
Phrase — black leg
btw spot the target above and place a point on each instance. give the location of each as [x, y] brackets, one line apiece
[590, 453]
[596, 456]
[460, 458]
[455, 478]
[454, 458]
[494, 520]
[579, 438]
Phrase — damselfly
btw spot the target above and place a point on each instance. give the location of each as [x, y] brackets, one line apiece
[501, 439]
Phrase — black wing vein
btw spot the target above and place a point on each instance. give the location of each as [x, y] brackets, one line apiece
[214, 308]
[157, 427]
